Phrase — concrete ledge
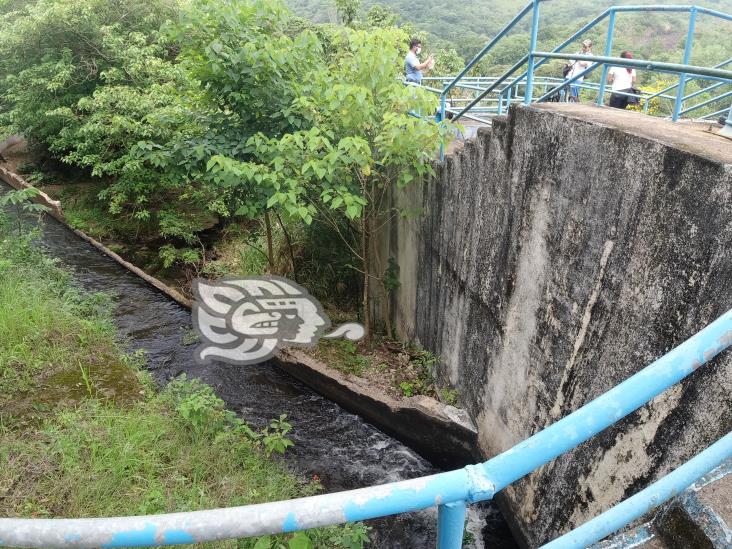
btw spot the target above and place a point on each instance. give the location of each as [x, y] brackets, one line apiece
[699, 518]
[443, 434]
[18, 182]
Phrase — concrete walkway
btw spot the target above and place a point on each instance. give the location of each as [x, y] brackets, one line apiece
[695, 137]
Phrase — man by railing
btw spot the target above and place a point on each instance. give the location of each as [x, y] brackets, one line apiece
[412, 67]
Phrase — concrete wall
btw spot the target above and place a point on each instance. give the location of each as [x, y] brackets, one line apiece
[559, 253]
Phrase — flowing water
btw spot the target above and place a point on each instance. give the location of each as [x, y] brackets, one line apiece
[339, 447]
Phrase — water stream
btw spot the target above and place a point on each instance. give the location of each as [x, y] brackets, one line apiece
[339, 447]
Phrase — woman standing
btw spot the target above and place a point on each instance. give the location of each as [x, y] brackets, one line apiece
[623, 80]
[576, 67]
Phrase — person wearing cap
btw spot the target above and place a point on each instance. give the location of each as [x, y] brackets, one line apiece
[622, 80]
[578, 66]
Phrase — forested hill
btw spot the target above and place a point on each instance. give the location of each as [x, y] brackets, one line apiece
[467, 24]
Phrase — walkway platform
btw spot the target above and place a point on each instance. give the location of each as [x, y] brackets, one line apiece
[695, 137]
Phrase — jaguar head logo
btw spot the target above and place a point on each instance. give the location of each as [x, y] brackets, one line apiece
[245, 320]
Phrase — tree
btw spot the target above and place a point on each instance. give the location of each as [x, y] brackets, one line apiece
[361, 142]
[381, 16]
[347, 10]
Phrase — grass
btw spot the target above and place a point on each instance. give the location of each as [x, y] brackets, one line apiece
[344, 356]
[48, 331]
[108, 444]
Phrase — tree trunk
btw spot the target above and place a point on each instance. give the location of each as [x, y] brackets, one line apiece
[365, 245]
[270, 245]
[289, 247]
[387, 311]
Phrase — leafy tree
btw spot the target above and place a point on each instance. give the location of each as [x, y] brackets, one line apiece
[361, 143]
[347, 10]
[381, 16]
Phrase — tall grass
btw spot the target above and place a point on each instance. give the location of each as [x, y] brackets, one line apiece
[46, 326]
[90, 455]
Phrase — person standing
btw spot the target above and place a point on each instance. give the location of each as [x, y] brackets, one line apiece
[576, 67]
[622, 80]
[412, 67]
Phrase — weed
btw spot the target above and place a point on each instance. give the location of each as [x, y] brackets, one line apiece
[189, 337]
[344, 356]
[273, 436]
[87, 379]
[449, 396]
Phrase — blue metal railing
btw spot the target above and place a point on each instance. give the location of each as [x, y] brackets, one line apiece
[451, 492]
[506, 87]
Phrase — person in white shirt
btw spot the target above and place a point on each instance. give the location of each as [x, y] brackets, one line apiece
[622, 80]
[577, 67]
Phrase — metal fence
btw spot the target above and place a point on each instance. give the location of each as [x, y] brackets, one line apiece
[519, 83]
[450, 492]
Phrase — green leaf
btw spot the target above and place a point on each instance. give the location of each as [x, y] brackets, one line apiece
[263, 543]
[300, 541]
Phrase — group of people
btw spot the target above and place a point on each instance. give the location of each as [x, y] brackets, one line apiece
[621, 79]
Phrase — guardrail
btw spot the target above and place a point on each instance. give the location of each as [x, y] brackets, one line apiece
[506, 87]
[450, 492]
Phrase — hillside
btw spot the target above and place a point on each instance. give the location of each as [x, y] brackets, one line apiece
[468, 24]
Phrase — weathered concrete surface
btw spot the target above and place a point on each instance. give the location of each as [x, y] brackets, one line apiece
[560, 252]
[441, 433]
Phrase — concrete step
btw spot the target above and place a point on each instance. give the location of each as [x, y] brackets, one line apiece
[700, 518]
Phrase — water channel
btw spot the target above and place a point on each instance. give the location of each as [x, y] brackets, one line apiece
[339, 447]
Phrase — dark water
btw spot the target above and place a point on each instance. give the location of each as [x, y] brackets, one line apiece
[339, 447]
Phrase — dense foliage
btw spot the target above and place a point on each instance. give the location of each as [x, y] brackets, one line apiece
[206, 113]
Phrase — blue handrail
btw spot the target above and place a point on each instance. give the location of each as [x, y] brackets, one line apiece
[533, 60]
[646, 500]
[450, 491]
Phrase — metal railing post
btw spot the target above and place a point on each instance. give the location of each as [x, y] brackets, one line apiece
[687, 55]
[727, 130]
[532, 49]
[443, 105]
[450, 525]
[608, 51]
[508, 98]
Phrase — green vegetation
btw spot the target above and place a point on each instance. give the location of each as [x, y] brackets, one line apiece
[397, 369]
[199, 119]
[84, 433]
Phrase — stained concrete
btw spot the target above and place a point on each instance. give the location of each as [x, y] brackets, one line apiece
[558, 253]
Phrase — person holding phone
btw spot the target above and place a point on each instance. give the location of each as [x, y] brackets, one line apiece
[412, 66]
